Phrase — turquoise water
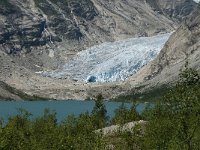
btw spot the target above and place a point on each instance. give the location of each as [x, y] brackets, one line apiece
[62, 108]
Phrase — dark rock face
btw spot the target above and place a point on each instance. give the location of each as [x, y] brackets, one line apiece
[65, 16]
[175, 9]
[17, 33]
[21, 29]
[35, 23]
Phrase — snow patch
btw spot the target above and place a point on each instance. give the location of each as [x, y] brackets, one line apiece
[111, 61]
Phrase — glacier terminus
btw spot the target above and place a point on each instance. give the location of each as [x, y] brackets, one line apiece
[111, 61]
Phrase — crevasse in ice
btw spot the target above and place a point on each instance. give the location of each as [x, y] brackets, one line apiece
[112, 61]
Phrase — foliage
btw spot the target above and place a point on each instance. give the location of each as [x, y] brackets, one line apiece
[124, 115]
[148, 95]
[99, 113]
[45, 133]
[5, 2]
[172, 124]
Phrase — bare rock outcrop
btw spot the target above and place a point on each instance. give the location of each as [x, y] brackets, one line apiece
[40, 35]
[114, 129]
[176, 9]
[183, 46]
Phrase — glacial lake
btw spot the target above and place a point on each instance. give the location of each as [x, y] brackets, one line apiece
[62, 108]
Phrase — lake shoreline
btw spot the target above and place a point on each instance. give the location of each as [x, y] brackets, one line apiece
[62, 108]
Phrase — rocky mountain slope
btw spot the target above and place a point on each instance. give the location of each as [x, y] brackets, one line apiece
[9, 93]
[175, 9]
[45, 32]
[183, 46]
[5, 93]
[41, 35]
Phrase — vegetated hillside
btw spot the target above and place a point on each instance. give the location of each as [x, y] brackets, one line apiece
[171, 124]
[183, 46]
[40, 35]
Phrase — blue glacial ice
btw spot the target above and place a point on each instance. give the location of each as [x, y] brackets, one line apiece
[111, 61]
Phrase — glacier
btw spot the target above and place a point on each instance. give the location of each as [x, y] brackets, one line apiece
[111, 61]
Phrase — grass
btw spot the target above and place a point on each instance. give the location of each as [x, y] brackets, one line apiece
[152, 94]
[5, 3]
[6, 7]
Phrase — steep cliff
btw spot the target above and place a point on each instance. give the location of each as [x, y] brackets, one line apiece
[183, 46]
